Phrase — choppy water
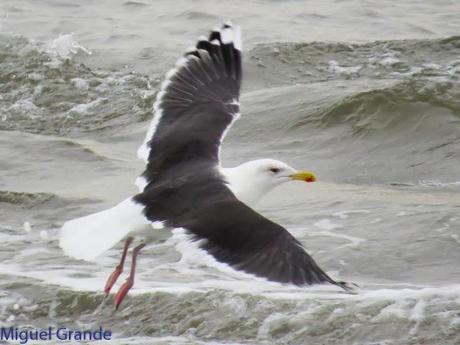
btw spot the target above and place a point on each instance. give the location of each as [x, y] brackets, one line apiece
[365, 95]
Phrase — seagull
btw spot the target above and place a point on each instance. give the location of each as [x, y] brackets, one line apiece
[185, 187]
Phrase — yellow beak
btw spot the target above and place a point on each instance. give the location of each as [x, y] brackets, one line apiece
[303, 175]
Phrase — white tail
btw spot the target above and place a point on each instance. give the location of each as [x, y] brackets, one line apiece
[87, 237]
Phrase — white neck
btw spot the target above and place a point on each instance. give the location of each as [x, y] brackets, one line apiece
[246, 189]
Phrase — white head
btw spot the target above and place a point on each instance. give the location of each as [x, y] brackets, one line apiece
[252, 180]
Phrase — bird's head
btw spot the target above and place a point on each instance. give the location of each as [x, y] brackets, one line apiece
[251, 180]
[276, 172]
[268, 173]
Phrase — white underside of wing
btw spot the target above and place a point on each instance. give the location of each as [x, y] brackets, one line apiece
[193, 256]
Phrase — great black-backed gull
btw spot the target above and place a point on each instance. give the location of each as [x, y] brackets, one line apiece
[184, 185]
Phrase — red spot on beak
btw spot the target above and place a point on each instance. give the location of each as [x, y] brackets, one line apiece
[310, 179]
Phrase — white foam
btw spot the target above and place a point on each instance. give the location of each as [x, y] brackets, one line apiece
[432, 66]
[27, 227]
[375, 221]
[26, 107]
[336, 68]
[36, 76]
[85, 107]
[62, 48]
[344, 214]
[387, 59]
[353, 241]
[80, 83]
[327, 224]
[430, 183]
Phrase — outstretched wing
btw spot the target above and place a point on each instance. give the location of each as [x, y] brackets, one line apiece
[197, 104]
[198, 101]
[235, 234]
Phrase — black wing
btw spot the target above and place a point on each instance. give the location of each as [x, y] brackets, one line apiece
[198, 101]
[247, 241]
[235, 234]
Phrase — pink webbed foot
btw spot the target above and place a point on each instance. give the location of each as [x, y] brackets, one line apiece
[122, 292]
[116, 273]
[128, 284]
[112, 279]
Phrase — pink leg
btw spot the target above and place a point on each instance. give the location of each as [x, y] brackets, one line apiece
[116, 273]
[128, 284]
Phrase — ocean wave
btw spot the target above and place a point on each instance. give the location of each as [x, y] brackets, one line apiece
[24, 198]
[316, 61]
[45, 89]
[415, 314]
[389, 108]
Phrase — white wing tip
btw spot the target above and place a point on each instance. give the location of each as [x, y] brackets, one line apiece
[231, 34]
[226, 35]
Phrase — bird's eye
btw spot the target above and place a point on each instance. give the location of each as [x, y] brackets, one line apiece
[274, 170]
